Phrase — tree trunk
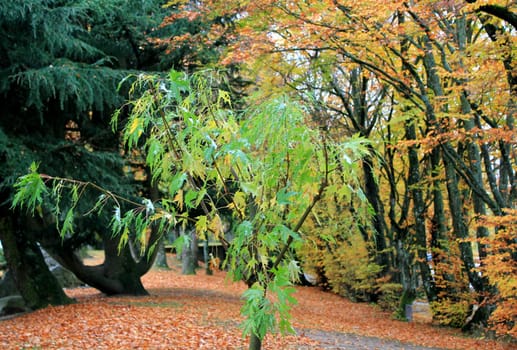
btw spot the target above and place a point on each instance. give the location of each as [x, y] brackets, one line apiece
[419, 217]
[36, 284]
[459, 227]
[120, 273]
[379, 224]
[161, 256]
[189, 256]
[406, 275]
[207, 257]
[255, 342]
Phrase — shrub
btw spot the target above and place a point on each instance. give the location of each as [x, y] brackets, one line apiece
[351, 271]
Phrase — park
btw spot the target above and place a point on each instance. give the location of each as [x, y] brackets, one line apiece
[306, 174]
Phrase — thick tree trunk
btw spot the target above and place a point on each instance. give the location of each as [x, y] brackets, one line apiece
[37, 285]
[119, 274]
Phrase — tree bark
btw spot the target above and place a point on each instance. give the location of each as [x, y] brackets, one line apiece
[255, 342]
[120, 273]
[459, 227]
[36, 284]
[189, 256]
[161, 256]
[419, 217]
[379, 224]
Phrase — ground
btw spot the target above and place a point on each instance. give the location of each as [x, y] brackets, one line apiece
[203, 312]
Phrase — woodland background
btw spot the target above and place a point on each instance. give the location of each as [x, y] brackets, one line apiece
[370, 145]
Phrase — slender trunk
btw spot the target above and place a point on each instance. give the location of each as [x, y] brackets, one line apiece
[207, 258]
[459, 227]
[474, 155]
[414, 177]
[419, 215]
[161, 256]
[255, 342]
[406, 274]
[379, 225]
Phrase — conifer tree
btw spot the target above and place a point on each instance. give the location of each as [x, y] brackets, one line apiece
[60, 71]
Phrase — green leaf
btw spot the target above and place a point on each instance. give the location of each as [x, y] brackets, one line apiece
[283, 197]
[29, 190]
[176, 183]
[245, 229]
[181, 243]
[190, 198]
[68, 223]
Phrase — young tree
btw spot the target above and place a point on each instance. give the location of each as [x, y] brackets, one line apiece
[268, 168]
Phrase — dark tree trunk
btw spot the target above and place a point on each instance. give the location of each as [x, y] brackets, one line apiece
[459, 227]
[419, 217]
[255, 342]
[406, 275]
[36, 284]
[207, 258]
[120, 272]
[379, 224]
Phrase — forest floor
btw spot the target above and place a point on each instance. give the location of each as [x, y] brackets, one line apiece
[203, 312]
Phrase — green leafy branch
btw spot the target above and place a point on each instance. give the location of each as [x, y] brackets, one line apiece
[34, 190]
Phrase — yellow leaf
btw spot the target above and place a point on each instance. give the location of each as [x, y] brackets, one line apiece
[216, 226]
[178, 198]
[201, 225]
[239, 200]
[134, 125]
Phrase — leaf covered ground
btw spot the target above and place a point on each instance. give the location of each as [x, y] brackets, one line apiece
[202, 312]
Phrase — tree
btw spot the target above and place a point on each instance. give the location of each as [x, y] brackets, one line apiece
[455, 121]
[58, 83]
[268, 168]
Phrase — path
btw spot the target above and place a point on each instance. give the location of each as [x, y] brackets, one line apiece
[347, 341]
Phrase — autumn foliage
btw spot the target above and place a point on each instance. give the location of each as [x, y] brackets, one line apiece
[434, 83]
[424, 91]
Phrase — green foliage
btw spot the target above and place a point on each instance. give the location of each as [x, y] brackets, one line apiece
[62, 65]
[452, 313]
[335, 251]
[29, 190]
[350, 269]
[389, 296]
[267, 168]
[49, 55]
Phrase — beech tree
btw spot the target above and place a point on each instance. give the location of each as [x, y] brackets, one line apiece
[447, 121]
